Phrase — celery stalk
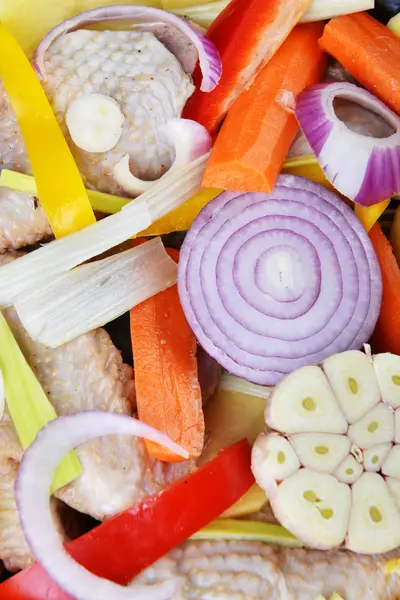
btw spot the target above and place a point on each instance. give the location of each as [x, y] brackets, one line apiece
[205, 13]
[29, 406]
[19, 182]
[230, 529]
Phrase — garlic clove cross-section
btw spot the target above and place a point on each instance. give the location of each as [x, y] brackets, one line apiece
[315, 506]
[375, 519]
[329, 462]
[353, 381]
[303, 402]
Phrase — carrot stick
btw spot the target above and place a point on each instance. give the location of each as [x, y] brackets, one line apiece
[370, 51]
[259, 129]
[247, 34]
[386, 337]
[168, 392]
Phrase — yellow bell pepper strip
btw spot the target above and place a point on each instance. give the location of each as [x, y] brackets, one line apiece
[306, 166]
[60, 186]
[19, 182]
[181, 218]
[29, 407]
[369, 215]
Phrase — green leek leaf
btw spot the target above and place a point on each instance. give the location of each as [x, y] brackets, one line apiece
[29, 407]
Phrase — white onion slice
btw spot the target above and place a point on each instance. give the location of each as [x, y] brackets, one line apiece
[190, 140]
[35, 475]
[271, 282]
[210, 62]
[2, 395]
[93, 294]
[363, 168]
[65, 253]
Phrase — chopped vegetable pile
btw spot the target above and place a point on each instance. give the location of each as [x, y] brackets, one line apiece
[216, 183]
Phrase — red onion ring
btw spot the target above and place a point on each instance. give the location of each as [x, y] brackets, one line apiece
[363, 168]
[271, 282]
[34, 479]
[210, 62]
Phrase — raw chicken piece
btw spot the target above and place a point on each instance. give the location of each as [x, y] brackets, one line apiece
[230, 570]
[139, 73]
[87, 373]
[22, 220]
[14, 550]
[133, 68]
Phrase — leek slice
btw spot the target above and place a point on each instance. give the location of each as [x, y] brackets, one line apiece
[29, 407]
[94, 294]
[230, 529]
[169, 192]
[319, 10]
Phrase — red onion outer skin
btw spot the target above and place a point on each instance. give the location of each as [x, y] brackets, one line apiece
[210, 62]
[229, 274]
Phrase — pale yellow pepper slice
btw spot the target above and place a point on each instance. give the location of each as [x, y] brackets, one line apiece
[369, 215]
[60, 186]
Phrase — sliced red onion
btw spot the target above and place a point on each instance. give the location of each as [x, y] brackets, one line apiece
[210, 62]
[190, 139]
[271, 282]
[363, 168]
[35, 475]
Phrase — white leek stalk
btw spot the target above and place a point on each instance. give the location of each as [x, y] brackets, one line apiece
[204, 14]
[327, 9]
[63, 254]
[91, 295]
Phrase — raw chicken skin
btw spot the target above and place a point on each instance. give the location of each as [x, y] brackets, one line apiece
[137, 71]
[229, 570]
[85, 374]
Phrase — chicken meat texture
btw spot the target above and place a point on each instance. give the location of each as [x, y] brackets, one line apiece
[239, 570]
[137, 71]
[85, 374]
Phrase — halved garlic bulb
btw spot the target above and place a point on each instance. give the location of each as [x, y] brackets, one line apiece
[336, 428]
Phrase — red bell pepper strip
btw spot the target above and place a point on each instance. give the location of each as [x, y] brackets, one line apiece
[247, 33]
[119, 549]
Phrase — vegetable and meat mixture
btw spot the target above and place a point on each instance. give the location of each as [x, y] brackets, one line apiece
[200, 300]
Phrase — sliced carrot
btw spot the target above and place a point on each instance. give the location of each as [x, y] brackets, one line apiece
[370, 51]
[168, 392]
[386, 337]
[260, 127]
[247, 34]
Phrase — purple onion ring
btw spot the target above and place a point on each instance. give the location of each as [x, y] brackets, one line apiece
[271, 282]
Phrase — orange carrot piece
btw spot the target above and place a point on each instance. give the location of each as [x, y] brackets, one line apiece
[259, 129]
[168, 392]
[386, 337]
[247, 34]
[370, 51]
